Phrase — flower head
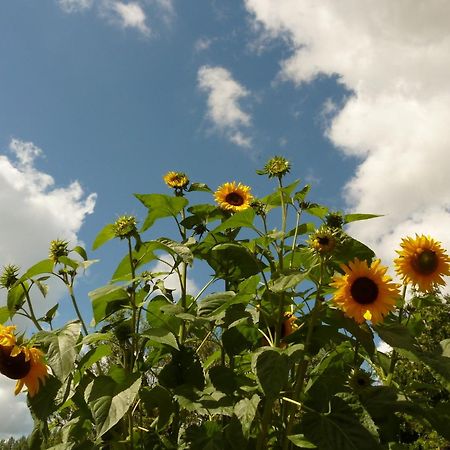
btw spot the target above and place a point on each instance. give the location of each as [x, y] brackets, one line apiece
[359, 380]
[32, 359]
[276, 167]
[233, 197]
[334, 220]
[323, 240]
[365, 293]
[125, 227]
[7, 336]
[58, 248]
[176, 180]
[289, 325]
[9, 276]
[422, 262]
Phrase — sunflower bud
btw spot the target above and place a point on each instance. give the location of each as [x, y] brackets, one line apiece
[9, 276]
[125, 227]
[58, 248]
[323, 241]
[276, 167]
[334, 220]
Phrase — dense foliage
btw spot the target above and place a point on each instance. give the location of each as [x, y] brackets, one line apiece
[277, 350]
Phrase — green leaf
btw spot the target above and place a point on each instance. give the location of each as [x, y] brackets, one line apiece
[61, 352]
[337, 429]
[299, 441]
[223, 379]
[81, 251]
[15, 299]
[233, 261]
[240, 219]
[109, 401]
[160, 398]
[106, 234]
[144, 255]
[214, 304]
[245, 411]
[201, 187]
[175, 248]
[44, 403]
[317, 211]
[162, 336]
[106, 300]
[4, 314]
[354, 217]
[94, 355]
[50, 314]
[285, 282]
[350, 249]
[159, 206]
[272, 370]
[44, 266]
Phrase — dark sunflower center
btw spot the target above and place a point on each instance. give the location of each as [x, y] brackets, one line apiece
[361, 381]
[364, 291]
[426, 263]
[235, 199]
[323, 240]
[14, 367]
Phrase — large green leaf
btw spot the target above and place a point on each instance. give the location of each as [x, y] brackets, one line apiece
[240, 219]
[285, 282]
[4, 314]
[160, 398]
[271, 369]
[160, 206]
[337, 429]
[233, 261]
[109, 401]
[162, 336]
[214, 304]
[106, 300]
[62, 349]
[44, 403]
[16, 298]
[245, 411]
[44, 266]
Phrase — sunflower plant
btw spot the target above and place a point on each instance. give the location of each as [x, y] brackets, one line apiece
[278, 349]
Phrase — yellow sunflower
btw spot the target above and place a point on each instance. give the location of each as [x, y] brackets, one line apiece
[177, 180]
[7, 337]
[365, 293]
[323, 241]
[422, 262]
[233, 197]
[26, 365]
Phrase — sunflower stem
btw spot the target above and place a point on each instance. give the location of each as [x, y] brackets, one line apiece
[31, 315]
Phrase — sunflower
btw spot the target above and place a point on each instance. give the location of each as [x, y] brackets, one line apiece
[323, 241]
[176, 180]
[25, 364]
[365, 293]
[233, 197]
[359, 380]
[422, 262]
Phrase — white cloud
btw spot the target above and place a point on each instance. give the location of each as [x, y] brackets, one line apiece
[202, 44]
[172, 281]
[34, 212]
[383, 347]
[131, 15]
[224, 110]
[15, 418]
[72, 6]
[395, 60]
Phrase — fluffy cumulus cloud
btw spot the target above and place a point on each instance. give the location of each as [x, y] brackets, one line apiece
[34, 211]
[395, 60]
[131, 15]
[224, 103]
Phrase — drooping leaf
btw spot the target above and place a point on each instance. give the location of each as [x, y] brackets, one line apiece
[62, 349]
[160, 398]
[109, 401]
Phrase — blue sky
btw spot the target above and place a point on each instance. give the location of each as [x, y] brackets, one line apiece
[99, 98]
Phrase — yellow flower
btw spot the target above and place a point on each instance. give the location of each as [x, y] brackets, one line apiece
[233, 197]
[37, 371]
[365, 293]
[323, 241]
[26, 365]
[7, 337]
[288, 326]
[422, 262]
[177, 180]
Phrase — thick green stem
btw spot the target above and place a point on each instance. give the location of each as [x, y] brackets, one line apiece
[77, 310]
